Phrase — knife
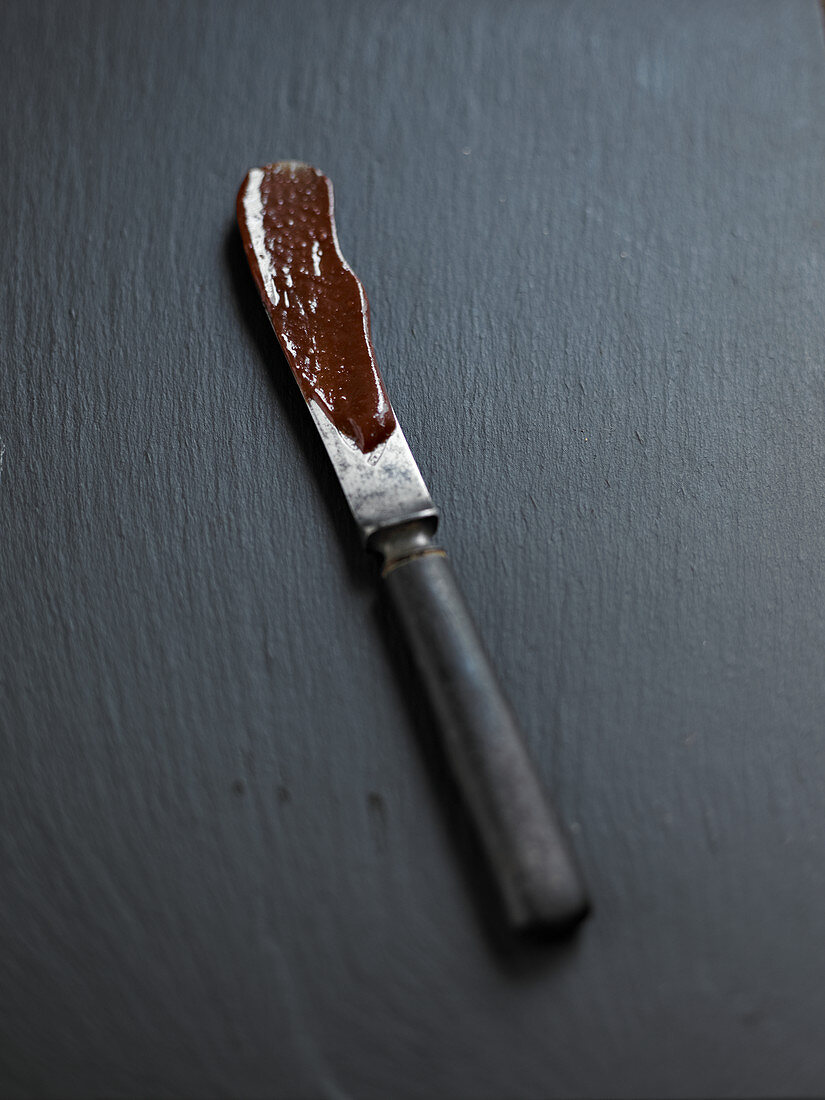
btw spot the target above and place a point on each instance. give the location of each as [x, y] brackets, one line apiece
[320, 314]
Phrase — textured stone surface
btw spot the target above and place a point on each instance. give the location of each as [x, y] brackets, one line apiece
[593, 239]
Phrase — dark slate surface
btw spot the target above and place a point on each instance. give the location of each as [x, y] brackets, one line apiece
[593, 238]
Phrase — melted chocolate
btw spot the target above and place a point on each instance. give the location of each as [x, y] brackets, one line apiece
[316, 304]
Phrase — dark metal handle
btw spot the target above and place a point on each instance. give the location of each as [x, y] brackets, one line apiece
[532, 863]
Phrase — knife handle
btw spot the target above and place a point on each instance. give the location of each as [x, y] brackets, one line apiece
[532, 864]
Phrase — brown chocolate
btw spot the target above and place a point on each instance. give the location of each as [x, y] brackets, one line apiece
[316, 304]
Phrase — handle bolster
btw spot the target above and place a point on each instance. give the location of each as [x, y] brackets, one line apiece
[401, 541]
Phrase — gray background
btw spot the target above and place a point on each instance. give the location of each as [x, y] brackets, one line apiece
[593, 236]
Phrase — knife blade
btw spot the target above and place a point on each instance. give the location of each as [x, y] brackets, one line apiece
[320, 314]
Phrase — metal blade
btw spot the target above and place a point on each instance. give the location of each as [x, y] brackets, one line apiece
[383, 487]
[380, 478]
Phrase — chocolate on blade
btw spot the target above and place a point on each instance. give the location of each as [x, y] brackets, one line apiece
[316, 304]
